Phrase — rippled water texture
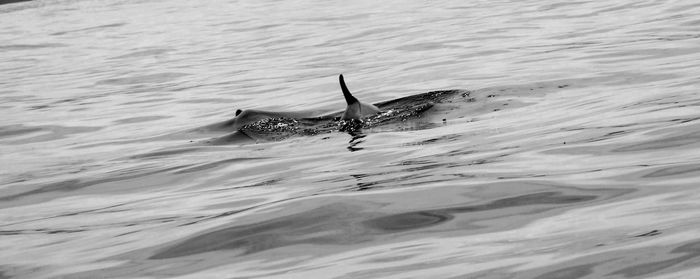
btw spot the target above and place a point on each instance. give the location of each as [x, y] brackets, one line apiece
[576, 153]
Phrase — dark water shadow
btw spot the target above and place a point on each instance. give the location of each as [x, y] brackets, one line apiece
[217, 164]
[419, 219]
[43, 133]
[17, 130]
[342, 223]
[156, 78]
[572, 272]
[143, 53]
[663, 143]
[293, 229]
[166, 152]
[138, 119]
[3, 2]
[690, 251]
[68, 187]
[75, 184]
[20, 47]
[624, 263]
[602, 136]
[94, 28]
[677, 170]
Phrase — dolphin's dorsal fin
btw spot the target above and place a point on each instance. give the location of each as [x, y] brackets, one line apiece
[355, 108]
[349, 98]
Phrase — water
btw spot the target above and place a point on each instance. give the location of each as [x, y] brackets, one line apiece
[578, 156]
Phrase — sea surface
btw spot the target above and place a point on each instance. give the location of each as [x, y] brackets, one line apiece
[576, 155]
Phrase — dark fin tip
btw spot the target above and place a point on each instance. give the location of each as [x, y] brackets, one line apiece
[349, 98]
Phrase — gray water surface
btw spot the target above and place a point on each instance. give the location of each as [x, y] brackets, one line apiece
[577, 156]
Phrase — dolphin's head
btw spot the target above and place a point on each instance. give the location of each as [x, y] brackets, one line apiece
[245, 117]
[355, 109]
[238, 121]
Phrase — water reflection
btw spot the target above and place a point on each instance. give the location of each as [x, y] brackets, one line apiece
[357, 138]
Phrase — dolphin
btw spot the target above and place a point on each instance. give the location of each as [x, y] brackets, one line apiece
[413, 112]
[355, 110]
[265, 125]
